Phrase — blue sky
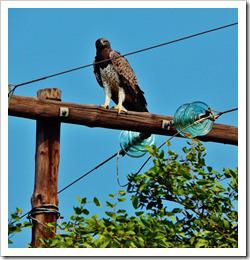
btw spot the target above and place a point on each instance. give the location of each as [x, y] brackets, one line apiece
[46, 41]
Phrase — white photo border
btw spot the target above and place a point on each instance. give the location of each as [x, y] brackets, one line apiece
[241, 250]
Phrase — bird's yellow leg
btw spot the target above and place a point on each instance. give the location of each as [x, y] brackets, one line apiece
[121, 98]
[107, 97]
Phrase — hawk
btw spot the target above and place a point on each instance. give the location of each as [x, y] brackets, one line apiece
[118, 79]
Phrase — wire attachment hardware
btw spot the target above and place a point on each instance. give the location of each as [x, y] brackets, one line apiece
[64, 111]
[11, 90]
[167, 124]
[44, 209]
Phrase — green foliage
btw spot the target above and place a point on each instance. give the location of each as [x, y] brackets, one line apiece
[15, 227]
[204, 199]
[97, 202]
[179, 202]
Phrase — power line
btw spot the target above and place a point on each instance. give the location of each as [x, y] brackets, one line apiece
[181, 39]
[22, 216]
[90, 171]
[227, 111]
[127, 54]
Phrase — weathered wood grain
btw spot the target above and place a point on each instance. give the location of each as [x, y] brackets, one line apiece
[46, 170]
[95, 116]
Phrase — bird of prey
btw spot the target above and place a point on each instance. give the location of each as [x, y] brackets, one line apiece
[118, 79]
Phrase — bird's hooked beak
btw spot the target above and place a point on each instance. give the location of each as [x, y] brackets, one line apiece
[101, 43]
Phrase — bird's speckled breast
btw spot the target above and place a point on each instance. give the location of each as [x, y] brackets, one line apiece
[110, 77]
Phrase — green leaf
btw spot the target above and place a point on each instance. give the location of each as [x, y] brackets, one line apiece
[201, 243]
[121, 211]
[97, 202]
[130, 232]
[27, 224]
[177, 210]
[132, 245]
[168, 143]
[84, 201]
[143, 187]
[203, 182]
[226, 224]
[85, 211]
[77, 210]
[209, 168]
[172, 218]
[151, 150]
[218, 187]
[139, 213]
[19, 211]
[121, 199]
[51, 224]
[110, 214]
[105, 243]
[186, 175]
[122, 192]
[110, 205]
[135, 201]
[79, 199]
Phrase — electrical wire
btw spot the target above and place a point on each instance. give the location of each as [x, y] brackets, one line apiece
[227, 111]
[117, 171]
[15, 86]
[90, 171]
[22, 216]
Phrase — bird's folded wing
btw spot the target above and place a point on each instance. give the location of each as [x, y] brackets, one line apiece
[124, 70]
[97, 73]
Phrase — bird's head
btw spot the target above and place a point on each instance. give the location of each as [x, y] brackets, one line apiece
[102, 43]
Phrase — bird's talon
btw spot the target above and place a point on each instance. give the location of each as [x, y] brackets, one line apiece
[120, 109]
[105, 106]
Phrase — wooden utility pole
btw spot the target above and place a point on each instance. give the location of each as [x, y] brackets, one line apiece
[44, 199]
[95, 116]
